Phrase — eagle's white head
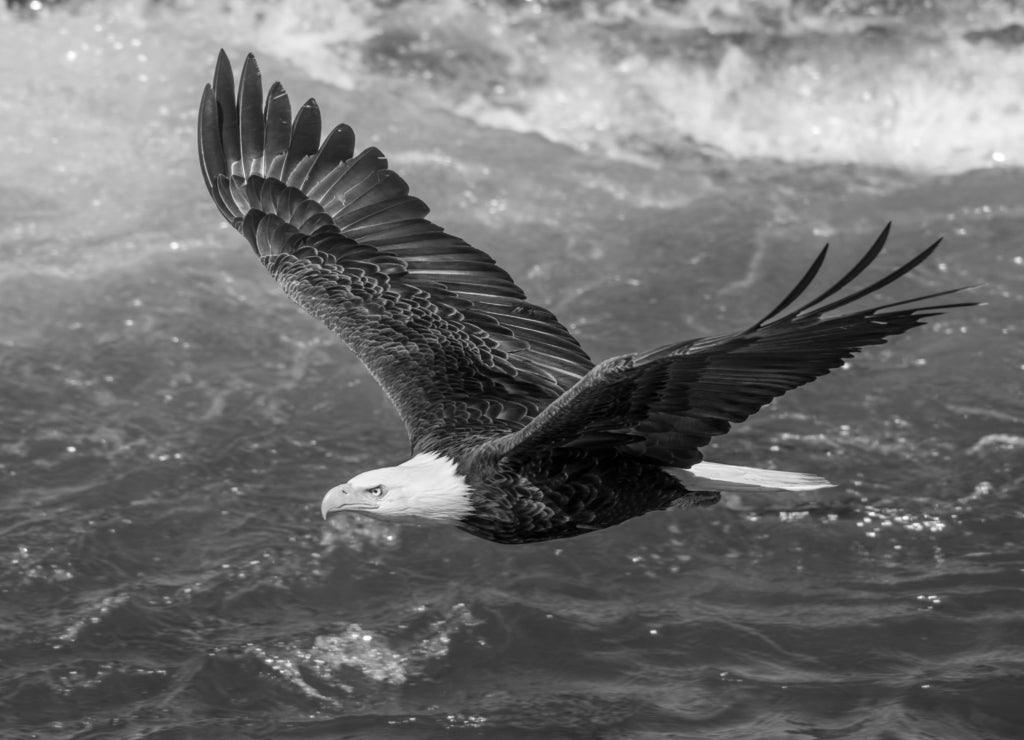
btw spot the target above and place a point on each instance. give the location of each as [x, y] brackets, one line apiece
[427, 487]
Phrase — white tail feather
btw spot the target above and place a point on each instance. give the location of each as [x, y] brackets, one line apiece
[709, 476]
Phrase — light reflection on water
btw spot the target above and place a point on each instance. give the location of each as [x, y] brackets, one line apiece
[171, 421]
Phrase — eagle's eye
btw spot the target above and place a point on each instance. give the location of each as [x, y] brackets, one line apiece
[377, 491]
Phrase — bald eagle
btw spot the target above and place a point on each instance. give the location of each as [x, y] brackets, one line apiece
[517, 436]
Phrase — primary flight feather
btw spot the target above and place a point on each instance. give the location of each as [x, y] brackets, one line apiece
[516, 435]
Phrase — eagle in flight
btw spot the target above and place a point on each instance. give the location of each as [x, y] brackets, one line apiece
[517, 436]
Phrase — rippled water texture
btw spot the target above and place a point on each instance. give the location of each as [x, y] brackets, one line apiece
[169, 420]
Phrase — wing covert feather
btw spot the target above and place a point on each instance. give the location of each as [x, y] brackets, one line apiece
[665, 404]
[444, 330]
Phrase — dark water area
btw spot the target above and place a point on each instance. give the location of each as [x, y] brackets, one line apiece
[654, 171]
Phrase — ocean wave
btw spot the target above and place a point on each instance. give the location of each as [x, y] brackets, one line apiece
[909, 85]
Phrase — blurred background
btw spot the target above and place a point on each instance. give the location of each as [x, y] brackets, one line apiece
[651, 171]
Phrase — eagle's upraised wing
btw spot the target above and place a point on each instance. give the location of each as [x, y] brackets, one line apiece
[664, 405]
[446, 332]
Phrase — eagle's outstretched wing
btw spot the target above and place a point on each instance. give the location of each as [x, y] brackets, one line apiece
[446, 332]
[664, 405]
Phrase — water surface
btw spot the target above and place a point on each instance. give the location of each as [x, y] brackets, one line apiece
[651, 172]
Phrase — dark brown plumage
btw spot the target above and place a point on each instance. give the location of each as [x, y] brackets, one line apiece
[530, 439]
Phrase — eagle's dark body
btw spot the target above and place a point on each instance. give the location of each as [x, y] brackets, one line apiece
[566, 492]
[548, 444]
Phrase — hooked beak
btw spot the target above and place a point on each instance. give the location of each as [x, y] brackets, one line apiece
[341, 498]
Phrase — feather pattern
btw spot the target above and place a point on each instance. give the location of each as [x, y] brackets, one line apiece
[665, 404]
[444, 330]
